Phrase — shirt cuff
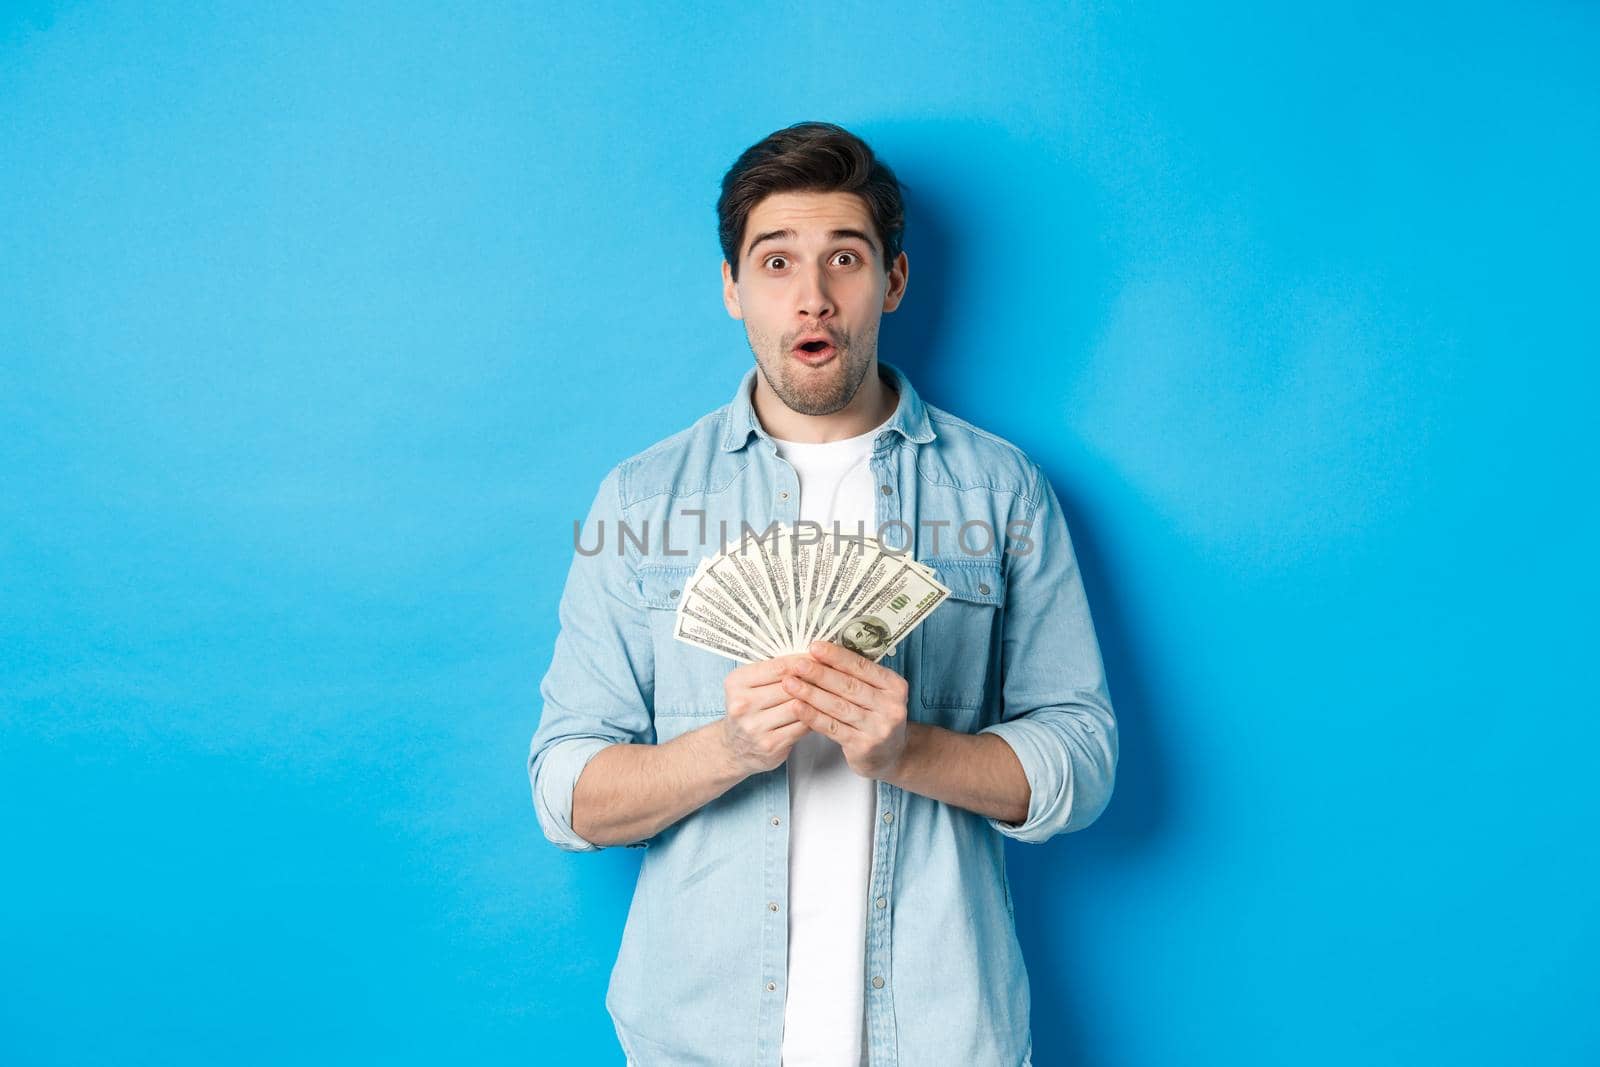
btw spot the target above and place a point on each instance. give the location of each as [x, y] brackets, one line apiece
[1039, 750]
[554, 777]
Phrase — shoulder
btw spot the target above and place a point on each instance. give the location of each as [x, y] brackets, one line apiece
[690, 460]
[965, 456]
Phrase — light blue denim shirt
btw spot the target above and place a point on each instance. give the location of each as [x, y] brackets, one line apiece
[700, 975]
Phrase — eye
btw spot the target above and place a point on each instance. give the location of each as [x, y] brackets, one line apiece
[853, 257]
[772, 259]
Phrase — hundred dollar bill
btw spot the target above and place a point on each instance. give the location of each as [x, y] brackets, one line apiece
[815, 563]
[703, 632]
[731, 578]
[694, 634]
[875, 627]
[708, 626]
[750, 563]
[720, 597]
[781, 588]
[768, 552]
[782, 552]
[863, 565]
[801, 559]
[826, 556]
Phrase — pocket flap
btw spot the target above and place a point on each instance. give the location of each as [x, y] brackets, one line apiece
[970, 578]
[661, 585]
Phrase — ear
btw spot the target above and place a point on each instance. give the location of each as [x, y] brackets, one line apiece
[899, 274]
[730, 292]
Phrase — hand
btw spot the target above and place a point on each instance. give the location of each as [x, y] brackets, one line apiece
[762, 722]
[852, 700]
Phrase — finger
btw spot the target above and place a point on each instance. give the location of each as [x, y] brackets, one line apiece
[833, 706]
[789, 736]
[822, 723]
[853, 664]
[762, 697]
[762, 672]
[837, 682]
[791, 710]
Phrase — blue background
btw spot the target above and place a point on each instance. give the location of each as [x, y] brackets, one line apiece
[319, 326]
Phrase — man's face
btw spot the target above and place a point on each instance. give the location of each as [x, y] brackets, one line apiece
[811, 266]
[864, 636]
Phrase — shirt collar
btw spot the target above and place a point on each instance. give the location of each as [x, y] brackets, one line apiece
[910, 416]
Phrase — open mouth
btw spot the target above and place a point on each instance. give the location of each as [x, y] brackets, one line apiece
[815, 351]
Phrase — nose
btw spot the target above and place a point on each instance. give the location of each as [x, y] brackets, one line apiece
[812, 299]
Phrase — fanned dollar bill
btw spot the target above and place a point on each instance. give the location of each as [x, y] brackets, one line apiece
[780, 589]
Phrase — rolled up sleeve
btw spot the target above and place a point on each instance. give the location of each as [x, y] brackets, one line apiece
[1056, 709]
[598, 690]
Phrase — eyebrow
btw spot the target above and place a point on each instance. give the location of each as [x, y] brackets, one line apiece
[836, 235]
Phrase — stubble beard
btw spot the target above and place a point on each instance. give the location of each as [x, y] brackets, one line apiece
[814, 392]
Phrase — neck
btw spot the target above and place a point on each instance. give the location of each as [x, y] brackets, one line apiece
[873, 403]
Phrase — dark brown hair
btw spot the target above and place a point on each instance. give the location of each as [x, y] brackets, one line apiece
[809, 157]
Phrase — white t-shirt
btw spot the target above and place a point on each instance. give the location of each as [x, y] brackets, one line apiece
[831, 812]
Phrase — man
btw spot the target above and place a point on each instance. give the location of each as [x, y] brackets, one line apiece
[824, 880]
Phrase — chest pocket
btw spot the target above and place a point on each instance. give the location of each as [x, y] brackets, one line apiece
[688, 681]
[958, 637]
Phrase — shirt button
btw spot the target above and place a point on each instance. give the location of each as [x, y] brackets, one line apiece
[772, 905]
[888, 490]
[776, 820]
[983, 589]
[888, 816]
[771, 986]
[877, 982]
[882, 903]
[674, 594]
[783, 494]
